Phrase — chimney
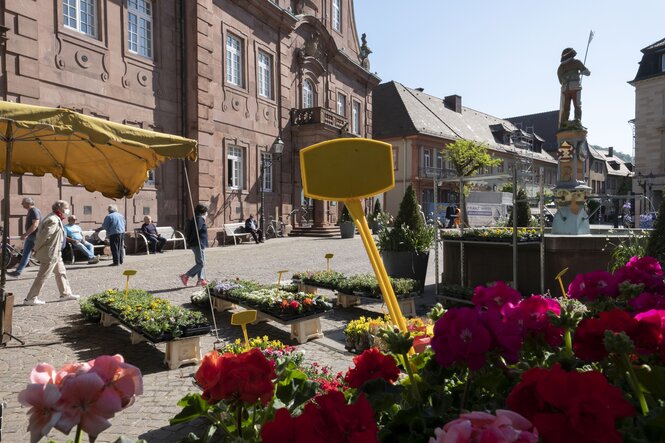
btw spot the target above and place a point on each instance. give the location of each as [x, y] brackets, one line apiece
[610, 151]
[420, 89]
[454, 103]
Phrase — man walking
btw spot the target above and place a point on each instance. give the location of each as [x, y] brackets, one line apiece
[31, 224]
[48, 247]
[114, 224]
[75, 237]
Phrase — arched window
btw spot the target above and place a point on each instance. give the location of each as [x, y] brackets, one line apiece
[307, 94]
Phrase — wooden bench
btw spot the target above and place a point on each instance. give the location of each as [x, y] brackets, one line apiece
[69, 252]
[302, 329]
[235, 230]
[171, 235]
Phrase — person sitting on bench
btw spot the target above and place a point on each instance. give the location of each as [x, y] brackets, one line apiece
[75, 237]
[250, 226]
[149, 230]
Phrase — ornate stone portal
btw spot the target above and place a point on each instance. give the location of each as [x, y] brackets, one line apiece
[571, 190]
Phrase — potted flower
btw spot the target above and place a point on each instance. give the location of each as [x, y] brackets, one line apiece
[375, 217]
[405, 247]
[346, 225]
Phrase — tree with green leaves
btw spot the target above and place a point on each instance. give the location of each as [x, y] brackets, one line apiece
[468, 157]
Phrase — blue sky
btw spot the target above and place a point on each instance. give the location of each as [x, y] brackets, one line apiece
[501, 57]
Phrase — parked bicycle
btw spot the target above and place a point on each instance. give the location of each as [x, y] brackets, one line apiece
[301, 216]
[11, 255]
[275, 228]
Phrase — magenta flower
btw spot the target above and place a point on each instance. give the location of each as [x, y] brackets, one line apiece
[506, 336]
[593, 285]
[645, 270]
[44, 413]
[531, 316]
[495, 296]
[646, 301]
[461, 336]
[506, 427]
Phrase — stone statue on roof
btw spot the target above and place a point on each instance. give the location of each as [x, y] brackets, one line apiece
[569, 73]
[364, 52]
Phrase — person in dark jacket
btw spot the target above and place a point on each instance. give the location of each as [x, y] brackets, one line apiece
[196, 232]
[149, 230]
[250, 226]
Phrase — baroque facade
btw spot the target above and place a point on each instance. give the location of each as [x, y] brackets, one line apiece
[235, 75]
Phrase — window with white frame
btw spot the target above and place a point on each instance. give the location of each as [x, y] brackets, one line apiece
[427, 158]
[337, 15]
[234, 166]
[439, 160]
[341, 104]
[81, 16]
[266, 164]
[139, 27]
[307, 94]
[355, 117]
[234, 60]
[265, 74]
[150, 178]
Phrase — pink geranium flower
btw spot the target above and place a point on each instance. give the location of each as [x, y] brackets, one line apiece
[80, 405]
[645, 270]
[44, 413]
[531, 316]
[43, 373]
[593, 285]
[506, 427]
[122, 381]
[506, 336]
[495, 296]
[646, 301]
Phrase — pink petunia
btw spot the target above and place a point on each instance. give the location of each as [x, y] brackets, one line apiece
[593, 285]
[44, 413]
[495, 296]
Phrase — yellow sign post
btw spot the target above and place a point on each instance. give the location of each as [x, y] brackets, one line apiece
[558, 278]
[348, 170]
[328, 256]
[241, 319]
[128, 273]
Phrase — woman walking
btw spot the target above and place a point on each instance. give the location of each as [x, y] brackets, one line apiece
[196, 232]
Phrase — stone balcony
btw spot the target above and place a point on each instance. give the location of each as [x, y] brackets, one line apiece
[311, 116]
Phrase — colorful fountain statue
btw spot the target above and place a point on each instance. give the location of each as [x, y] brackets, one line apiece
[571, 190]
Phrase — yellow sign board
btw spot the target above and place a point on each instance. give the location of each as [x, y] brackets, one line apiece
[128, 273]
[347, 168]
[242, 318]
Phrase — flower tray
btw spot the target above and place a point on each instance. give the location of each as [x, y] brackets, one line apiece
[406, 302]
[179, 351]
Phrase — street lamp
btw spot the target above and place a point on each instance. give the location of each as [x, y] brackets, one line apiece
[277, 148]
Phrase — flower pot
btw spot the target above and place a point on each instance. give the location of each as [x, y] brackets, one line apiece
[406, 264]
[347, 229]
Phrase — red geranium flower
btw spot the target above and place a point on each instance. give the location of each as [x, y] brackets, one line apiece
[294, 304]
[495, 296]
[328, 419]
[570, 406]
[590, 334]
[246, 377]
[371, 364]
[593, 285]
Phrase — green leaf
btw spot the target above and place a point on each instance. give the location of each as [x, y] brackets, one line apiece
[653, 379]
[194, 406]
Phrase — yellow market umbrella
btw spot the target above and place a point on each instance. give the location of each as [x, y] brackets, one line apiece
[102, 156]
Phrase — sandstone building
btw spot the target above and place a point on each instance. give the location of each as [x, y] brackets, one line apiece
[236, 75]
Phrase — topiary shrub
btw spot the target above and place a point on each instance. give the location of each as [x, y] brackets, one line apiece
[409, 233]
[523, 210]
[345, 217]
[656, 246]
[377, 209]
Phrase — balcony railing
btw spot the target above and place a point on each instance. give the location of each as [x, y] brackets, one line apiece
[438, 173]
[308, 116]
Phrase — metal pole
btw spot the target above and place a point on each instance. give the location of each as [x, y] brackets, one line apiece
[515, 226]
[262, 212]
[5, 226]
[541, 204]
[436, 235]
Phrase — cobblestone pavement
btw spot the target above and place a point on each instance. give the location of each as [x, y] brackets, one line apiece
[57, 334]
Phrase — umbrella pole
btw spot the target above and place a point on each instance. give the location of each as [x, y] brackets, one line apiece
[5, 228]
